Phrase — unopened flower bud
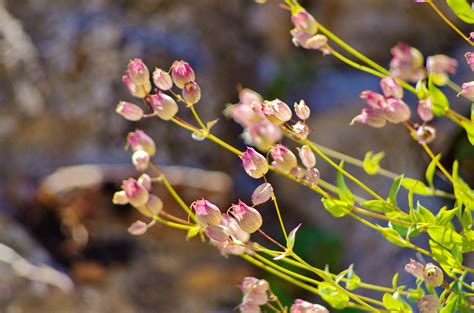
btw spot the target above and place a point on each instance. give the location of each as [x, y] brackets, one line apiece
[415, 268]
[138, 72]
[307, 156]
[301, 306]
[263, 134]
[255, 164]
[145, 181]
[249, 308]
[140, 160]
[397, 111]
[374, 99]
[154, 205]
[162, 79]
[217, 233]
[301, 130]
[139, 91]
[370, 117]
[316, 42]
[299, 38]
[425, 109]
[302, 110]
[276, 111]
[467, 89]
[407, 63]
[232, 227]
[129, 111]
[470, 59]
[252, 284]
[284, 159]
[138, 228]
[206, 212]
[181, 72]
[191, 93]
[163, 105]
[425, 134]
[304, 22]
[262, 194]
[298, 172]
[248, 96]
[441, 64]
[391, 88]
[433, 275]
[120, 197]
[138, 140]
[428, 304]
[312, 176]
[249, 219]
[137, 194]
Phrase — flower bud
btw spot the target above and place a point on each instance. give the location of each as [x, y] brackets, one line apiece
[137, 194]
[301, 306]
[255, 164]
[299, 38]
[232, 228]
[307, 156]
[206, 212]
[120, 197]
[249, 308]
[316, 42]
[145, 181]
[163, 105]
[138, 140]
[248, 218]
[391, 88]
[243, 114]
[397, 111]
[470, 59]
[425, 109]
[301, 130]
[252, 284]
[129, 111]
[217, 233]
[312, 176]
[304, 22]
[407, 63]
[138, 72]
[433, 275]
[262, 194]
[154, 205]
[415, 268]
[140, 160]
[298, 172]
[374, 99]
[248, 96]
[263, 135]
[138, 228]
[284, 159]
[191, 93]
[276, 111]
[370, 117]
[139, 91]
[181, 72]
[302, 110]
[467, 89]
[441, 64]
[428, 304]
[425, 134]
[162, 79]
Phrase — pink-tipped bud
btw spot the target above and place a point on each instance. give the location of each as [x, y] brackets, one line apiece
[163, 105]
[162, 79]
[145, 181]
[191, 93]
[301, 130]
[138, 140]
[137, 194]
[428, 304]
[374, 99]
[140, 160]
[316, 42]
[433, 275]
[470, 59]
[284, 159]
[415, 268]
[138, 72]
[397, 111]
[391, 88]
[467, 89]
[307, 156]
[304, 22]
[301, 306]
[425, 109]
[249, 219]
[138, 228]
[441, 64]
[302, 110]
[129, 111]
[139, 91]
[262, 194]
[407, 63]
[120, 197]
[255, 164]
[181, 72]
[312, 176]
[206, 212]
[298, 172]
[425, 134]
[370, 117]
[263, 135]
[276, 111]
[252, 284]
[299, 38]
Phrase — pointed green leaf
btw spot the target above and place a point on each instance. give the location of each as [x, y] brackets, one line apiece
[431, 169]
[466, 220]
[353, 280]
[381, 206]
[450, 306]
[440, 102]
[417, 186]
[337, 208]
[371, 162]
[462, 9]
[344, 193]
[192, 232]
[393, 303]
[333, 296]
[444, 216]
[469, 128]
[392, 236]
[292, 237]
[443, 256]
[394, 190]
[395, 281]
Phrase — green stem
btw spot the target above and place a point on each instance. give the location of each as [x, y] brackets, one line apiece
[198, 119]
[171, 224]
[277, 209]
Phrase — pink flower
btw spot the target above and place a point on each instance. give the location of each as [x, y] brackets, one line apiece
[138, 72]
[263, 135]
[191, 93]
[433, 275]
[300, 129]
[307, 156]
[428, 304]
[312, 176]
[137, 194]
[138, 140]
[470, 59]
[425, 109]
[284, 159]
[467, 89]
[441, 64]
[391, 88]
[276, 111]
[304, 22]
[425, 134]
[373, 99]
[206, 212]
[370, 117]
[406, 63]
[415, 268]
[397, 111]
[255, 291]
[181, 72]
[162, 79]
[248, 96]
[254, 163]
[138, 228]
[262, 194]
[163, 105]
[140, 160]
[302, 110]
[129, 111]
[248, 218]
[301, 306]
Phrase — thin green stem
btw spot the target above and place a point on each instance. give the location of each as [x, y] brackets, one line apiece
[171, 224]
[277, 209]
[198, 119]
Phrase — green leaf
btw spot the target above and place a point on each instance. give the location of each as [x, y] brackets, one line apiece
[392, 236]
[415, 294]
[462, 191]
[394, 190]
[462, 9]
[450, 306]
[381, 206]
[395, 281]
[353, 280]
[444, 216]
[469, 128]
[337, 208]
[466, 220]
[333, 296]
[292, 237]
[421, 90]
[344, 193]
[192, 232]
[443, 257]
[431, 169]
[447, 237]
[440, 102]
[417, 186]
[371, 162]
[394, 304]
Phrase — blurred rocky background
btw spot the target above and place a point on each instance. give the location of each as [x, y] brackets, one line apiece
[64, 246]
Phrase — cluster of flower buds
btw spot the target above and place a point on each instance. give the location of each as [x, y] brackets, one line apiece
[388, 107]
[301, 306]
[431, 274]
[305, 32]
[255, 293]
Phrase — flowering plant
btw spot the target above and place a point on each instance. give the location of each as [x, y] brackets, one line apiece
[266, 124]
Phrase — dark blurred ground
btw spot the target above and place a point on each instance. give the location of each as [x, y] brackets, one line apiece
[60, 69]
